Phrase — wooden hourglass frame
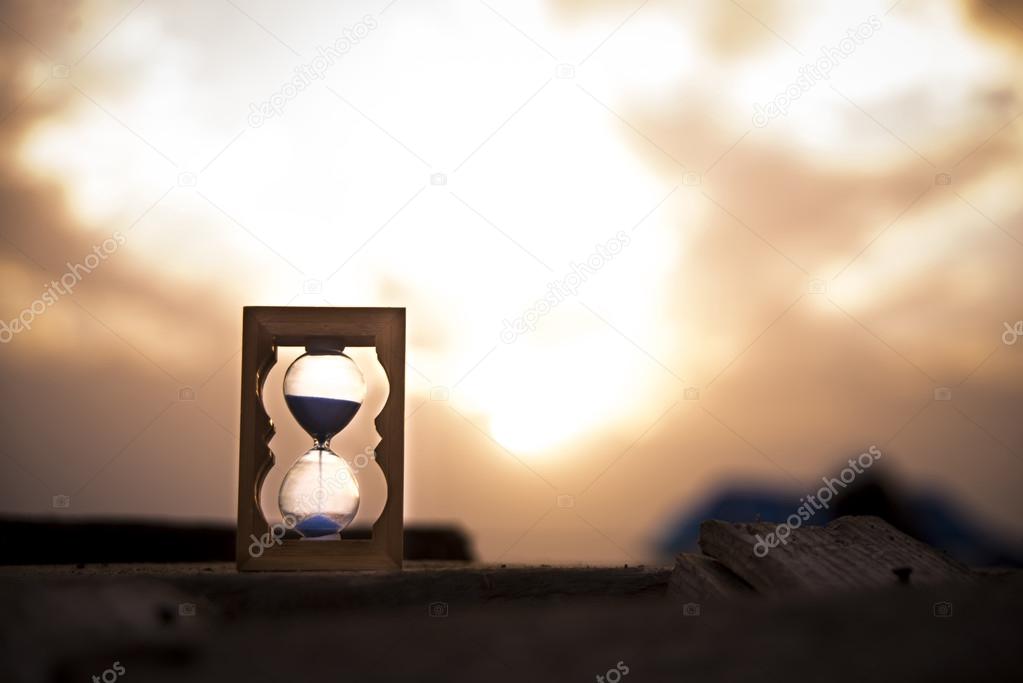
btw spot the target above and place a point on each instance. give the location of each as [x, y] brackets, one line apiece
[265, 328]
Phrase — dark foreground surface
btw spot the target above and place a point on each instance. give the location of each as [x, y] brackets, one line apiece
[201, 623]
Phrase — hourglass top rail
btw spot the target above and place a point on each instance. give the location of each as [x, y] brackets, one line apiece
[289, 326]
[340, 341]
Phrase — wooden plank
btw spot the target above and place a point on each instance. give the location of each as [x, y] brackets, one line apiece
[850, 553]
[698, 578]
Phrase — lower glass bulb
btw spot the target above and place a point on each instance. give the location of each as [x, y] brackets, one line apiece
[319, 495]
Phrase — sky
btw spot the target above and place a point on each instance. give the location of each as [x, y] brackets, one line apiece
[648, 250]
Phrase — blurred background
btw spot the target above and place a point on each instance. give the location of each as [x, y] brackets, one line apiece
[661, 260]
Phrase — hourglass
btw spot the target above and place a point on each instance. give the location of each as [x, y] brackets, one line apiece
[324, 390]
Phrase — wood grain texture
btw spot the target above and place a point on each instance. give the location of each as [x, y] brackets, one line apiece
[504, 625]
[850, 553]
[698, 578]
[264, 329]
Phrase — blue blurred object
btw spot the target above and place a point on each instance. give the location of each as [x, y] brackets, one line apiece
[739, 504]
[927, 516]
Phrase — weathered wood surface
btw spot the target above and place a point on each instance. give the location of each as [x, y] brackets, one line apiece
[220, 588]
[50, 626]
[698, 578]
[848, 554]
[68, 627]
[81, 620]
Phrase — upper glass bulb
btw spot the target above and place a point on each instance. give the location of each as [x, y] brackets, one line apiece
[324, 389]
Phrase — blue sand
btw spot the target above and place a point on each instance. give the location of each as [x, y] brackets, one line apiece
[322, 418]
[317, 525]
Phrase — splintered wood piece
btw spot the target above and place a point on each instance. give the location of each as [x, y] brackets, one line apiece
[697, 578]
[848, 554]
